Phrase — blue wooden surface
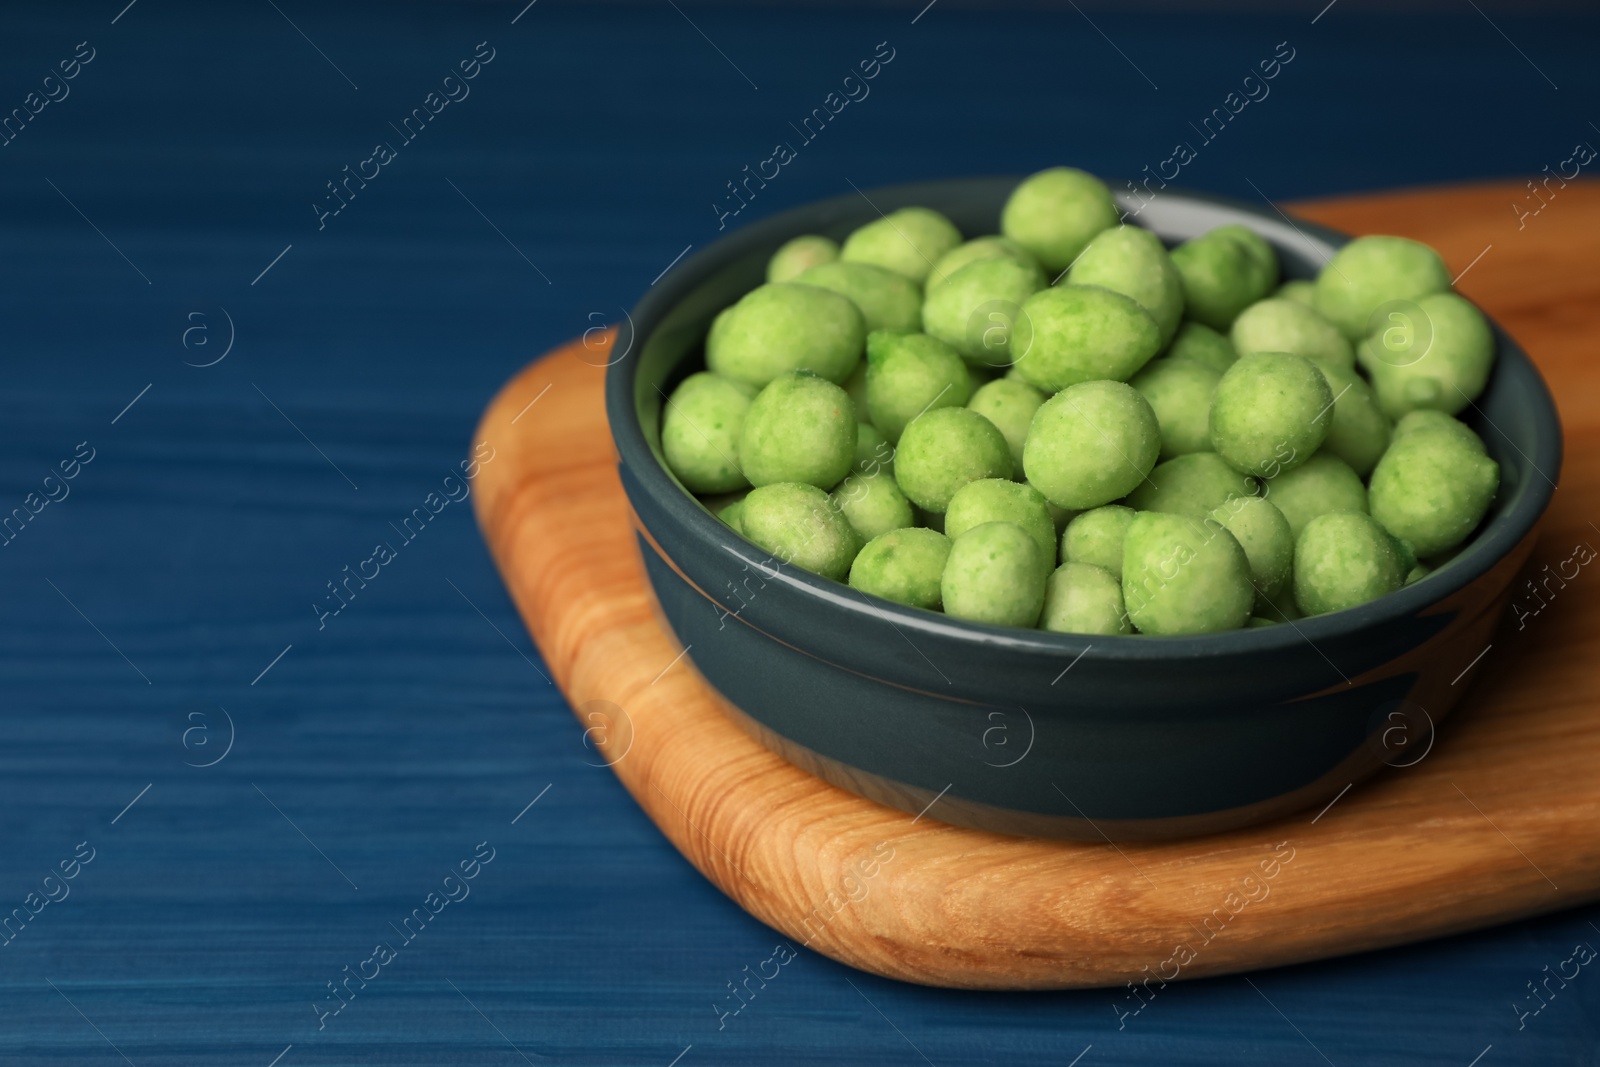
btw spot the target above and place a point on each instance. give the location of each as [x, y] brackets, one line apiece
[388, 741]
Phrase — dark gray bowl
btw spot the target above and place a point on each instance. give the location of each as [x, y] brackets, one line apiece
[1028, 732]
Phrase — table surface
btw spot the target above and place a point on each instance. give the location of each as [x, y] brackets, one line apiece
[166, 602]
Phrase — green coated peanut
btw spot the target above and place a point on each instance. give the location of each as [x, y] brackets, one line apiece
[1080, 598]
[1224, 271]
[980, 248]
[1268, 542]
[1359, 432]
[1432, 487]
[1010, 405]
[873, 504]
[1436, 354]
[1134, 262]
[943, 450]
[700, 432]
[1430, 419]
[1201, 344]
[976, 309]
[1090, 444]
[1179, 392]
[1002, 500]
[908, 241]
[1342, 559]
[1183, 576]
[1095, 537]
[995, 575]
[1055, 213]
[800, 524]
[1299, 290]
[908, 374]
[800, 428]
[886, 300]
[799, 254]
[1082, 333]
[904, 566]
[1322, 484]
[1270, 412]
[1276, 325]
[1194, 484]
[1370, 272]
[786, 327]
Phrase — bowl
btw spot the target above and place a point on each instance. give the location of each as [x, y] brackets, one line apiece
[1059, 735]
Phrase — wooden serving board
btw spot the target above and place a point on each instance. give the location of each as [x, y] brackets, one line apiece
[1500, 820]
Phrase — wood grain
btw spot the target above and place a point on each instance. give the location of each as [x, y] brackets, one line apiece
[1497, 822]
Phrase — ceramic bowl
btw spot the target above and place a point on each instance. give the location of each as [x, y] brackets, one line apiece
[1035, 733]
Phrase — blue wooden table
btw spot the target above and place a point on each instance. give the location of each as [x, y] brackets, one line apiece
[261, 268]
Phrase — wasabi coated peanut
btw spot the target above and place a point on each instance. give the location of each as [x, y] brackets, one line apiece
[1082, 333]
[800, 254]
[1095, 537]
[1372, 271]
[994, 574]
[908, 242]
[1191, 485]
[1432, 487]
[1342, 559]
[785, 327]
[731, 516]
[1010, 405]
[873, 504]
[1301, 291]
[943, 450]
[904, 566]
[1257, 622]
[1002, 500]
[874, 453]
[1429, 419]
[1441, 361]
[1090, 444]
[1286, 326]
[1270, 412]
[799, 524]
[1322, 484]
[1224, 271]
[1359, 432]
[1179, 391]
[700, 432]
[801, 428]
[886, 300]
[1081, 598]
[975, 309]
[980, 248]
[908, 374]
[1056, 212]
[1268, 543]
[1201, 344]
[1180, 576]
[1135, 263]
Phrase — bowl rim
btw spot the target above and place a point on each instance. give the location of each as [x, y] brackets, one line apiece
[634, 452]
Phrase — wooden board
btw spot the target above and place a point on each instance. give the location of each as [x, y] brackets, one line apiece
[1498, 821]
